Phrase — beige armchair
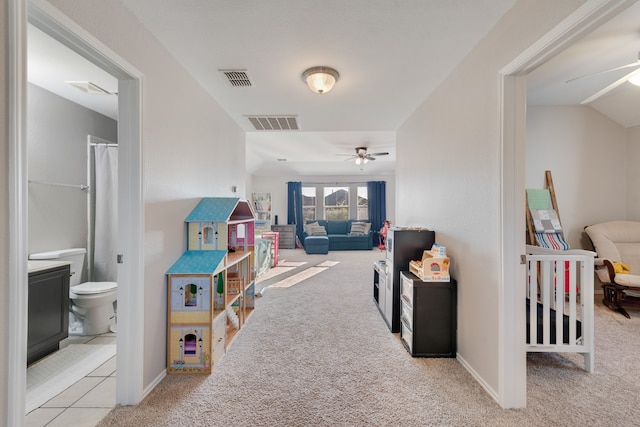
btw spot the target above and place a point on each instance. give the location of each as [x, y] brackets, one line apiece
[617, 243]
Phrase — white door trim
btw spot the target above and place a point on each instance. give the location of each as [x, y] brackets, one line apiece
[512, 98]
[130, 355]
[16, 327]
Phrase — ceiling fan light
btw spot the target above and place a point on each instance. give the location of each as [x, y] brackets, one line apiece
[366, 160]
[635, 79]
[320, 79]
[358, 160]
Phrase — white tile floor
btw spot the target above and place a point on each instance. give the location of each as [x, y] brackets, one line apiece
[86, 402]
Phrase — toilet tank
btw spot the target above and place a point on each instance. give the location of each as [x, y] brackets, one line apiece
[74, 255]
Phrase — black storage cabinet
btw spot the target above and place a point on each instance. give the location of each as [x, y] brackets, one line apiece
[48, 313]
[428, 316]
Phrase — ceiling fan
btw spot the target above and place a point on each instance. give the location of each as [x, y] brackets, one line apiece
[362, 156]
[627, 77]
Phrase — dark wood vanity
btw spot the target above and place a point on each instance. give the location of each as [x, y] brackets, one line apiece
[48, 313]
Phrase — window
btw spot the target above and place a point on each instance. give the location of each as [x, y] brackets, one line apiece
[336, 202]
[308, 203]
[363, 204]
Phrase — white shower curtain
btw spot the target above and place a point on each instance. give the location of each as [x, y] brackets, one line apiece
[106, 213]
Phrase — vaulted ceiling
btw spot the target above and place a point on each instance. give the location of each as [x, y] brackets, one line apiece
[390, 56]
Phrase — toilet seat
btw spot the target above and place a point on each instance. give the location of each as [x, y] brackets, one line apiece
[90, 288]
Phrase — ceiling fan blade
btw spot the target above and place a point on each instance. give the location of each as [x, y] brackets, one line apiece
[379, 154]
[633, 64]
[609, 88]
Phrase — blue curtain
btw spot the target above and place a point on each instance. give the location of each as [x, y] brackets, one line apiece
[377, 193]
[294, 206]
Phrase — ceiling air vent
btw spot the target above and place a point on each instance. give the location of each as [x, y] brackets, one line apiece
[91, 88]
[274, 122]
[237, 78]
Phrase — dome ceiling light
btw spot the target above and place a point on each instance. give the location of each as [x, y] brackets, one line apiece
[320, 79]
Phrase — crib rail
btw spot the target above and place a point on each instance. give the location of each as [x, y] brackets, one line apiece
[560, 294]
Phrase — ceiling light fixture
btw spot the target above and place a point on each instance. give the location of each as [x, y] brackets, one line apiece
[635, 80]
[320, 79]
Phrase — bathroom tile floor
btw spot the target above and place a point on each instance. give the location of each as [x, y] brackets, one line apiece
[86, 402]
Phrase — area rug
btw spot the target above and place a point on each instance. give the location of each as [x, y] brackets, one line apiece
[60, 370]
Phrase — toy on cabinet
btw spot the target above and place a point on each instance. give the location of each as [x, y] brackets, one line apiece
[211, 290]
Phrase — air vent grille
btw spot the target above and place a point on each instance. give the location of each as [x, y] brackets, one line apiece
[274, 122]
[237, 78]
[90, 88]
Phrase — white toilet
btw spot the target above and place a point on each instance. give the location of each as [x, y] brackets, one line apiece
[91, 302]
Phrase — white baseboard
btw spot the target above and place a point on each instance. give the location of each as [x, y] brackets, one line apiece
[478, 378]
[154, 383]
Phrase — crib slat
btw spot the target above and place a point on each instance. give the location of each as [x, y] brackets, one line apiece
[559, 289]
[573, 284]
[547, 272]
[532, 283]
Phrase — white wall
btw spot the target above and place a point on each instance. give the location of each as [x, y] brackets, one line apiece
[191, 149]
[586, 153]
[57, 152]
[633, 174]
[448, 174]
[277, 186]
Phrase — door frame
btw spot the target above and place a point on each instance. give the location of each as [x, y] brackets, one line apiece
[130, 354]
[513, 126]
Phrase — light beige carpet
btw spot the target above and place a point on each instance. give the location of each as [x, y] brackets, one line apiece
[319, 354]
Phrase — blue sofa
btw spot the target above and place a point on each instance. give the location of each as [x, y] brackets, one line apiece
[340, 239]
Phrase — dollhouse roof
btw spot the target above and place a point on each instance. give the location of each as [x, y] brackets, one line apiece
[199, 262]
[221, 209]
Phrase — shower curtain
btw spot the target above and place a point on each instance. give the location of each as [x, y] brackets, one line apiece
[106, 213]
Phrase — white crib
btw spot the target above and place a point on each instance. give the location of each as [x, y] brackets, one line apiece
[561, 283]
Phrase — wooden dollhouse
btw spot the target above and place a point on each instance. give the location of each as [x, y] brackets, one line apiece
[211, 287]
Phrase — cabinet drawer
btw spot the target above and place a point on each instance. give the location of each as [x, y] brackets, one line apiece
[283, 228]
[406, 289]
[406, 315]
[286, 243]
[407, 336]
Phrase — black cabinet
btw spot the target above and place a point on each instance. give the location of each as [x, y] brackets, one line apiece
[402, 246]
[48, 311]
[429, 316]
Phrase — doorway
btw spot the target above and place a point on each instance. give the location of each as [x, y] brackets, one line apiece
[129, 388]
[592, 14]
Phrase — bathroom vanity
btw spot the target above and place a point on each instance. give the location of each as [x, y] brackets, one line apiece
[48, 308]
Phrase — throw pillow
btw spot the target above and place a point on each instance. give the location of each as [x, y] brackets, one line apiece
[357, 228]
[318, 230]
[367, 227]
[309, 226]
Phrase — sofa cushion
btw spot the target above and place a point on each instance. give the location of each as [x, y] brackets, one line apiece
[338, 227]
[617, 241]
